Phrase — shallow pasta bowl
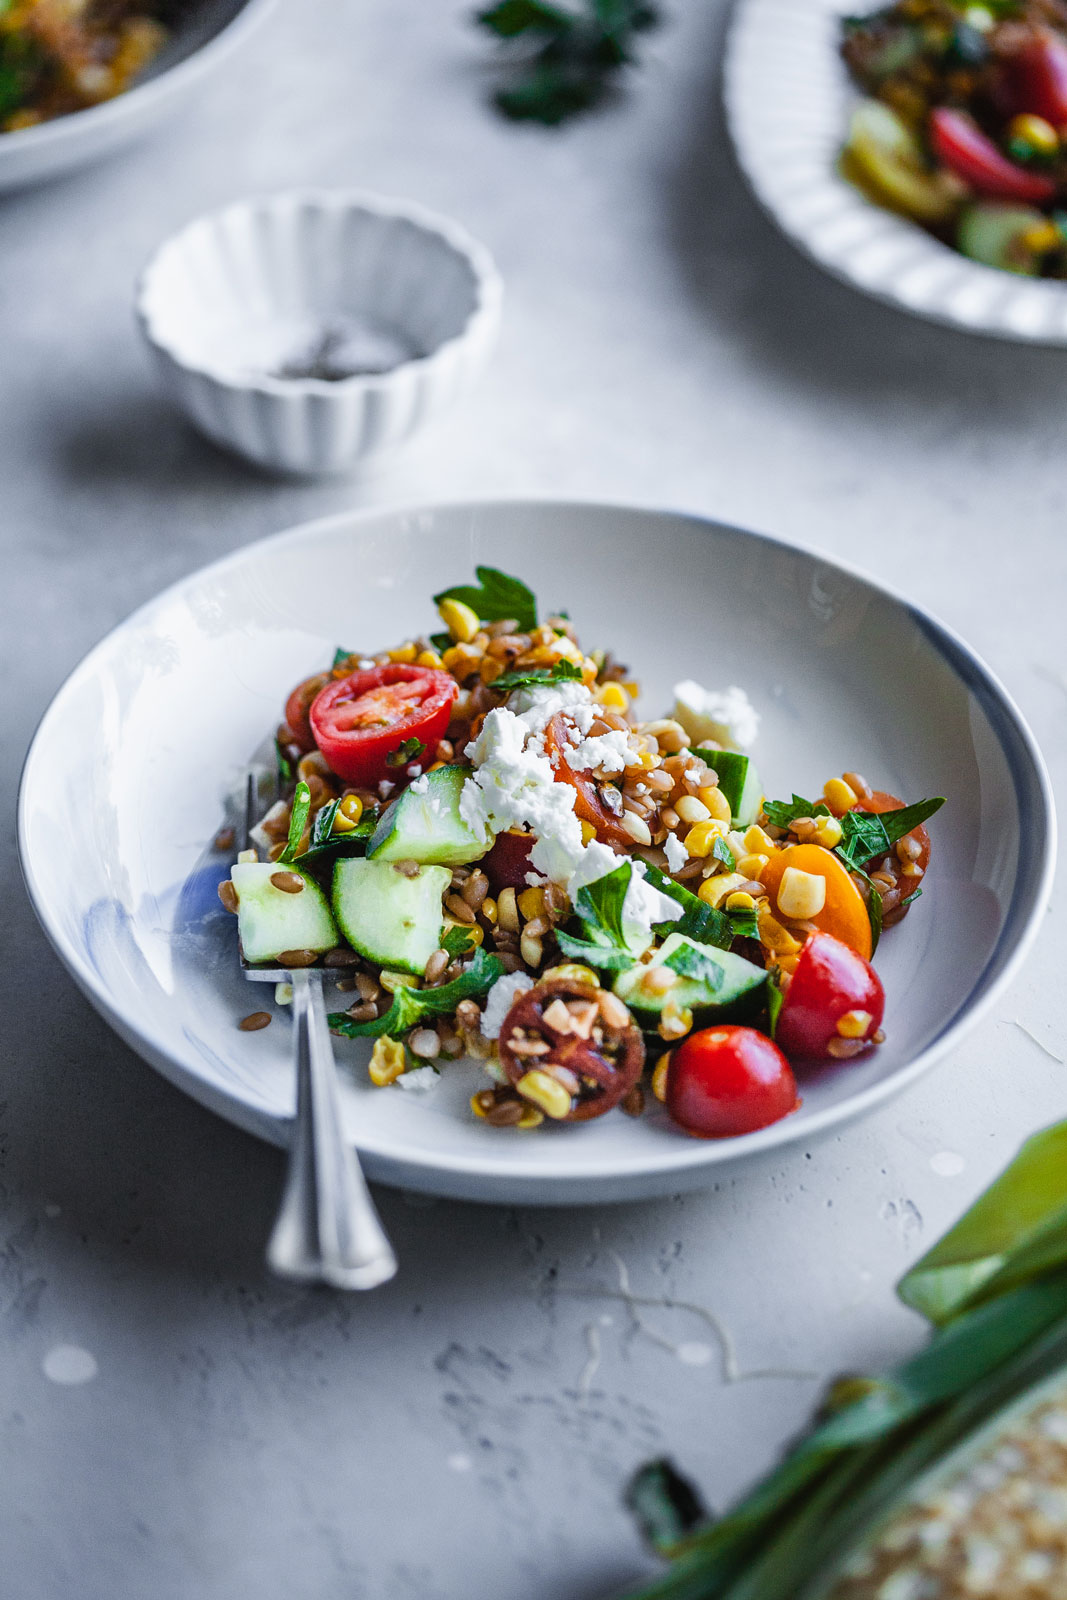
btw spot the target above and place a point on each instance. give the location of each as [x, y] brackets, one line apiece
[128, 777]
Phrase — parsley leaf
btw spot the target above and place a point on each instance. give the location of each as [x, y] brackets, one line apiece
[722, 852]
[908, 900]
[690, 963]
[341, 658]
[352, 842]
[566, 60]
[457, 941]
[863, 837]
[782, 812]
[703, 923]
[599, 904]
[409, 751]
[298, 821]
[899, 823]
[411, 1006]
[559, 672]
[496, 597]
[744, 924]
[774, 998]
[285, 766]
[442, 642]
[607, 957]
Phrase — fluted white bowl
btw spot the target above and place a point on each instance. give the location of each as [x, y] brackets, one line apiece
[241, 296]
[788, 98]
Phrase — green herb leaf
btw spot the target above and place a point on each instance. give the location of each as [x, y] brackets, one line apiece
[458, 941]
[567, 60]
[774, 998]
[496, 597]
[690, 963]
[406, 753]
[604, 956]
[782, 812]
[599, 904]
[341, 658]
[285, 766]
[323, 824]
[899, 823]
[410, 1006]
[442, 642]
[863, 837]
[298, 821]
[323, 841]
[722, 852]
[744, 924]
[665, 1505]
[908, 899]
[874, 913]
[559, 672]
[698, 921]
[512, 17]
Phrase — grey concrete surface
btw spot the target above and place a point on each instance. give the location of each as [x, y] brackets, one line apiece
[467, 1431]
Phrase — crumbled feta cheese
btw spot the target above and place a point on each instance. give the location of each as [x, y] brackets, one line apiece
[415, 772]
[725, 715]
[385, 788]
[421, 785]
[677, 854]
[644, 904]
[612, 751]
[537, 704]
[499, 1000]
[419, 1079]
[514, 786]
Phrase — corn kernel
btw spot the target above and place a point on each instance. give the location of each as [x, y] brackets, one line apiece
[713, 891]
[648, 760]
[657, 980]
[716, 802]
[487, 909]
[588, 833]
[839, 796]
[612, 696]
[752, 866]
[404, 654]
[1035, 133]
[659, 1076]
[476, 1103]
[547, 1093]
[249, 855]
[829, 833]
[1041, 238]
[757, 842]
[774, 936]
[531, 1118]
[573, 972]
[700, 840]
[388, 1060]
[690, 809]
[461, 622]
[460, 658]
[392, 981]
[428, 658]
[739, 901]
[348, 814]
[801, 894]
[531, 948]
[854, 1024]
[633, 688]
[675, 1021]
[507, 912]
[532, 903]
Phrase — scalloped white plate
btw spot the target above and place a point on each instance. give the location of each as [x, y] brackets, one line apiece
[124, 784]
[788, 100]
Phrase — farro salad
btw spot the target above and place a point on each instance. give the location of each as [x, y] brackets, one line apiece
[496, 857]
[964, 128]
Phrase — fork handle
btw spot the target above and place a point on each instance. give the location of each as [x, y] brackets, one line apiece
[327, 1229]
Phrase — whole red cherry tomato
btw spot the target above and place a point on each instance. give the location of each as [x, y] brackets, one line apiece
[829, 982]
[1033, 77]
[359, 721]
[959, 144]
[729, 1080]
[297, 707]
[588, 805]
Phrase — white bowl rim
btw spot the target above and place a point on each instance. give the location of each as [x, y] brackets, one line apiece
[488, 288]
[1023, 919]
[171, 81]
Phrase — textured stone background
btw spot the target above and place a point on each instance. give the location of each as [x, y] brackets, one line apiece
[467, 1430]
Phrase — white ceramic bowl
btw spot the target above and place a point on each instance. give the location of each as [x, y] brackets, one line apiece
[126, 780]
[203, 35]
[788, 100]
[238, 300]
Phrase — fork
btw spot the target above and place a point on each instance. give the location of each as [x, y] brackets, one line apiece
[327, 1230]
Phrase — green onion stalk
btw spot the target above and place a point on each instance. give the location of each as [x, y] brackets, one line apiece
[994, 1290]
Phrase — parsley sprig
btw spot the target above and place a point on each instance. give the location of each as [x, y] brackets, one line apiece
[495, 597]
[564, 59]
[410, 1006]
[530, 677]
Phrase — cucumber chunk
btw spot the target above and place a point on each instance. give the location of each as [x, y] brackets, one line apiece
[270, 921]
[739, 782]
[733, 992]
[996, 236]
[388, 917]
[423, 824]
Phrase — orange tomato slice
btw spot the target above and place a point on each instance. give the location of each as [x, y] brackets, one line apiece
[845, 912]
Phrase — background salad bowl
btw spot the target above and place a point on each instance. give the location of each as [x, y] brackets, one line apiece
[788, 102]
[128, 777]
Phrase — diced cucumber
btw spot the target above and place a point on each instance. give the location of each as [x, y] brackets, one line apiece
[270, 921]
[733, 992]
[395, 920]
[996, 236]
[739, 782]
[423, 824]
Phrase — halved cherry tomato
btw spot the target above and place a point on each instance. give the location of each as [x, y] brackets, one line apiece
[729, 1080]
[359, 721]
[829, 982]
[588, 806]
[844, 913]
[297, 707]
[508, 861]
[1033, 77]
[959, 144]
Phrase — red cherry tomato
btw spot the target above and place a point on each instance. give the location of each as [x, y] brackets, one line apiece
[297, 707]
[729, 1080]
[508, 861]
[588, 806]
[1033, 77]
[829, 981]
[360, 720]
[959, 144]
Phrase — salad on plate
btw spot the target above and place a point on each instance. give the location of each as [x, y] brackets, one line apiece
[496, 857]
[963, 124]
